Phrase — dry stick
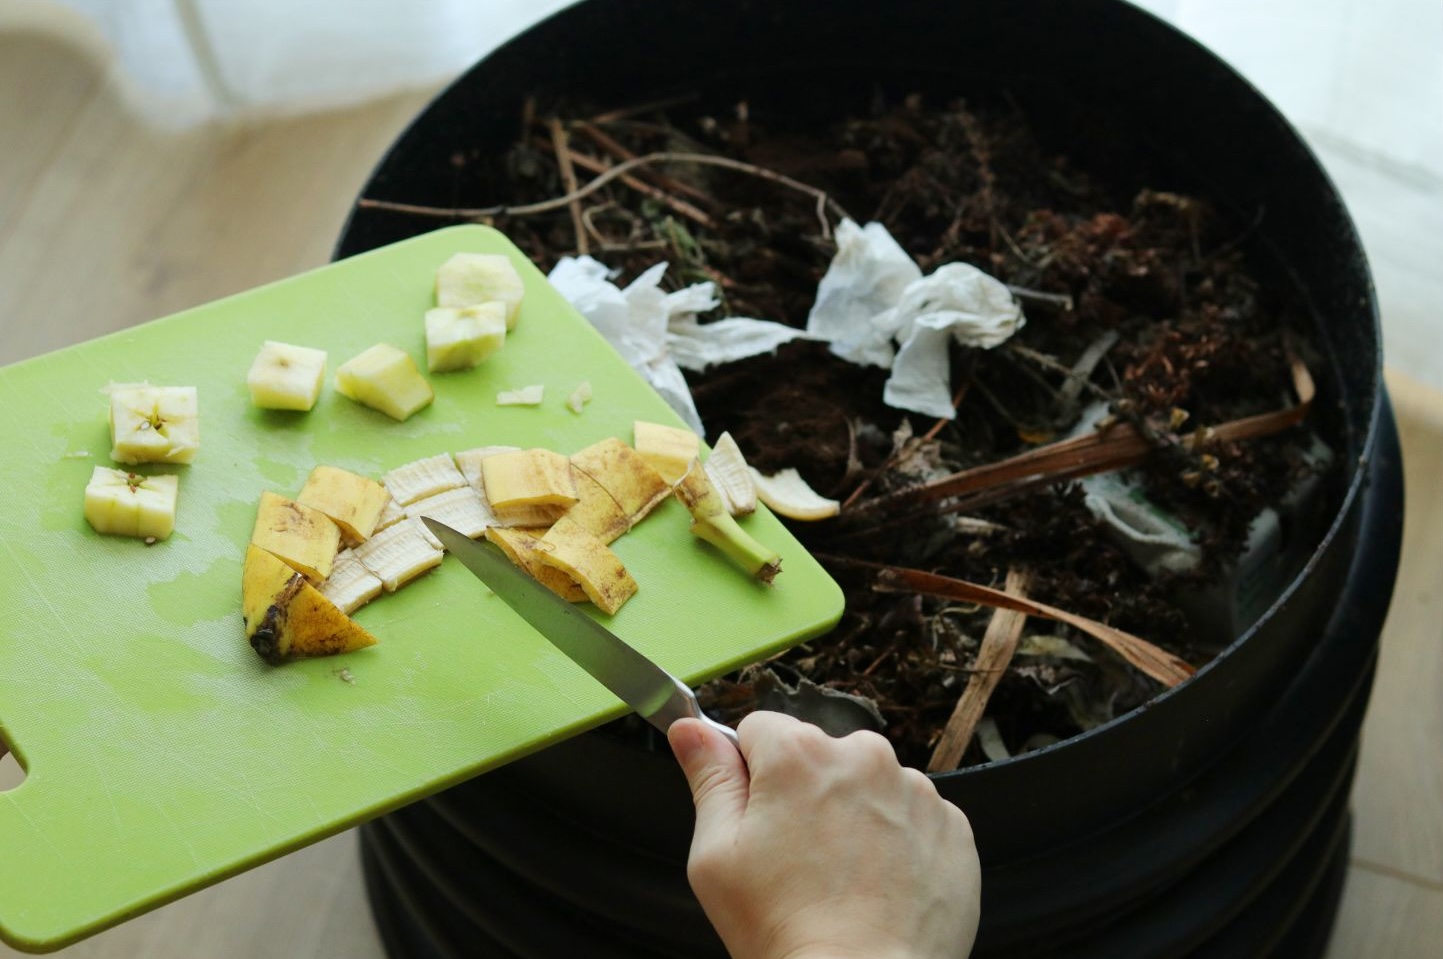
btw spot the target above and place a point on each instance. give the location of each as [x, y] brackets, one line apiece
[1116, 447]
[999, 644]
[1152, 660]
[824, 200]
[645, 189]
[619, 152]
[568, 180]
[626, 113]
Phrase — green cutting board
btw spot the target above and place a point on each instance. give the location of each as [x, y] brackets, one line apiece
[161, 753]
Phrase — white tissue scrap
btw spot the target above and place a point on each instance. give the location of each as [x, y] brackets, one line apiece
[867, 276]
[959, 302]
[873, 295]
[657, 332]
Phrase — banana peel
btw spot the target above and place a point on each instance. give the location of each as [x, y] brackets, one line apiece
[584, 558]
[352, 501]
[304, 538]
[535, 477]
[519, 545]
[669, 449]
[595, 511]
[286, 617]
[627, 477]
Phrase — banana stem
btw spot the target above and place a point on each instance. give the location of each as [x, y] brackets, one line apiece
[712, 522]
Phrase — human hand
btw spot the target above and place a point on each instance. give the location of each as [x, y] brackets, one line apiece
[822, 848]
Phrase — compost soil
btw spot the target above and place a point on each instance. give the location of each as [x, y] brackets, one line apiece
[1158, 281]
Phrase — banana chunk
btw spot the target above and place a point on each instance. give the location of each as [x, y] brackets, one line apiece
[398, 554]
[460, 337]
[669, 449]
[470, 278]
[286, 377]
[422, 478]
[728, 471]
[519, 545]
[787, 494]
[528, 478]
[287, 617]
[153, 424]
[461, 509]
[625, 475]
[387, 379]
[353, 502]
[127, 504]
[587, 560]
[350, 585]
[304, 538]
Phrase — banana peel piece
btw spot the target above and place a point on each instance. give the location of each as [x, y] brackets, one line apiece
[595, 511]
[304, 538]
[424, 477]
[568, 547]
[519, 545]
[787, 494]
[669, 449]
[536, 477]
[353, 502]
[400, 553]
[350, 585]
[461, 509]
[627, 477]
[286, 617]
[728, 471]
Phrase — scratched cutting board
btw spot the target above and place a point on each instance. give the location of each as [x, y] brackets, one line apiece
[161, 753]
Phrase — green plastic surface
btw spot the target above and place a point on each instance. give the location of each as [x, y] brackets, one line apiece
[162, 754]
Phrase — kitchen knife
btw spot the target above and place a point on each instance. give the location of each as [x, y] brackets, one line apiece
[656, 695]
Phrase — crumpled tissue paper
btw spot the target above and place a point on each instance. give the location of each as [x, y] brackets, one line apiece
[657, 332]
[873, 295]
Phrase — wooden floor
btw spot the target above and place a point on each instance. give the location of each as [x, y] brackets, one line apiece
[105, 223]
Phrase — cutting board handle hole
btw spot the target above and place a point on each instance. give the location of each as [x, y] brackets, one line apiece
[12, 771]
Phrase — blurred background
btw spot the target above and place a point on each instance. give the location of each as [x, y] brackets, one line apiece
[158, 154]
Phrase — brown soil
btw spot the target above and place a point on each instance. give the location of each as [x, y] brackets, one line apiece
[1200, 340]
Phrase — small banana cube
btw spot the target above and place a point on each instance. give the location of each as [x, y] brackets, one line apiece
[460, 337]
[386, 379]
[519, 545]
[587, 560]
[535, 477]
[669, 449]
[304, 538]
[286, 377]
[470, 278]
[153, 424]
[353, 502]
[628, 478]
[126, 504]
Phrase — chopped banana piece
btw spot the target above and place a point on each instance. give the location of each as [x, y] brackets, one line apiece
[304, 538]
[469, 461]
[386, 379]
[287, 617]
[127, 504]
[390, 516]
[586, 559]
[629, 479]
[399, 553]
[669, 449]
[422, 478]
[728, 471]
[461, 509]
[350, 585]
[711, 521]
[153, 424]
[470, 278]
[526, 396]
[286, 377]
[355, 503]
[519, 545]
[460, 337]
[789, 495]
[528, 478]
[595, 511]
[527, 516]
[579, 397]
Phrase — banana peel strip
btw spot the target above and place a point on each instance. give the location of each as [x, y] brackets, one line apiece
[1151, 660]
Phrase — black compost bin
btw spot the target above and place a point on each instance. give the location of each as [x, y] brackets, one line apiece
[1211, 821]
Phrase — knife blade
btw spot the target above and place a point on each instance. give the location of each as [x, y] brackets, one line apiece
[656, 695]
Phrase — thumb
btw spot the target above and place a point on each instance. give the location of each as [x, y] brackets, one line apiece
[715, 771]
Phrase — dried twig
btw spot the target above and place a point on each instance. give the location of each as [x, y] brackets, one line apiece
[825, 202]
[568, 180]
[999, 644]
[619, 152]
[645, 189]
[1151, 660]
[1062, 301]
[641, 109]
